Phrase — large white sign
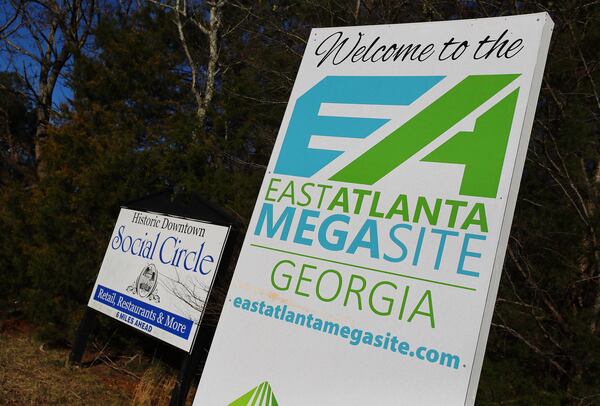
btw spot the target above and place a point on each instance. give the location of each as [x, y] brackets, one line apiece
[157, 274]
[371, 264]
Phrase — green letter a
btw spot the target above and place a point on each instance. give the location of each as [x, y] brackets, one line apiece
[481, 151]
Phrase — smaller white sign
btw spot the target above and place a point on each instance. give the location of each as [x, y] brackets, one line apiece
[157, 273]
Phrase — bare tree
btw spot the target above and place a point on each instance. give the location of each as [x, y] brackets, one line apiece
[195, 21]
[549, 315]
[48, 34]
[8, 21]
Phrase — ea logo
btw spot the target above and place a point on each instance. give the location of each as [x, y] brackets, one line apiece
[480, 152]
[147, 280]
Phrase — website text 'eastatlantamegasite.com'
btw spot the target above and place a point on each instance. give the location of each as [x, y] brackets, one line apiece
[355, 336]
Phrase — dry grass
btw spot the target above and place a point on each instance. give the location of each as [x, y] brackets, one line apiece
[154, 389]
[33, 375]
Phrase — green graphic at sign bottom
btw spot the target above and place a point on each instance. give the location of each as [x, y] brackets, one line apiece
[260, 395]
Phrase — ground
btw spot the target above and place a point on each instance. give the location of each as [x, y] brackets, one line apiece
[33, 373]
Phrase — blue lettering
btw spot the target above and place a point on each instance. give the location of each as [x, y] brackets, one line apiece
[398, 243]
[303, 226]
[443, 234]
[160, 252]
[340, 235]
[266, 214]
[185, 265]
[116, 242]
[133, 246]
[369, 228]
[237, 302]
[464, 254]
[207, 258]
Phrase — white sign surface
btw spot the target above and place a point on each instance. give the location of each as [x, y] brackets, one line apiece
[371, 264]
[157, 274]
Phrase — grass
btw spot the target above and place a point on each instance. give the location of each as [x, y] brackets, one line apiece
[33, 375]
[154, 388]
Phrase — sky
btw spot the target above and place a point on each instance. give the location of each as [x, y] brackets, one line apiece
[25, 66]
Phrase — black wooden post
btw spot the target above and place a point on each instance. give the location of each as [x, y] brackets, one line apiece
[184, 378]
[88, 321]
[191, 360]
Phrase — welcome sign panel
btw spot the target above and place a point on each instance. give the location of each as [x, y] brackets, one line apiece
[372, 260]
[157, 274]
